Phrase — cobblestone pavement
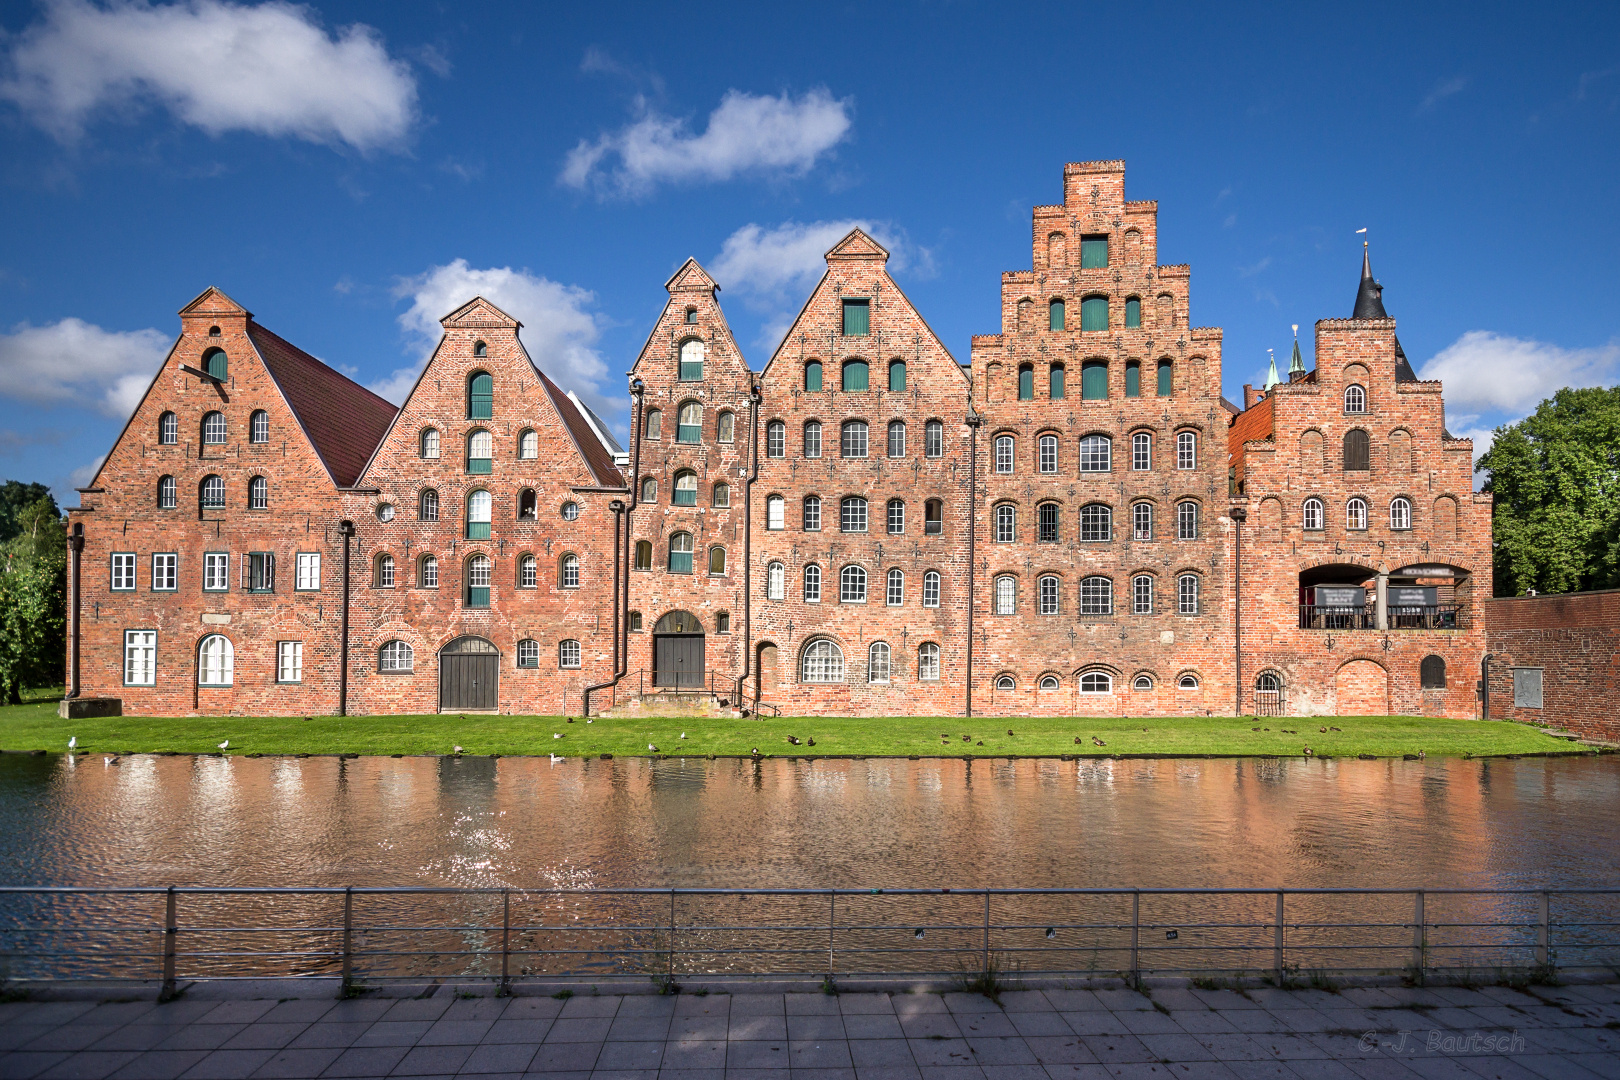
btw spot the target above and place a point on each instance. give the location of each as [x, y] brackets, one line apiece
[1560, 1033]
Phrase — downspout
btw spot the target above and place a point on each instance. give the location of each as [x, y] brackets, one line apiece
[1239, 516]
[617, 506]
[621, 615]
[346, 527]
[973, 422]
[748, 548]
[76, 546]
[1485, 686]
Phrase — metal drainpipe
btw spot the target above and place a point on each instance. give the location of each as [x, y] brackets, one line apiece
[1485, 686]
[973, 422]
[1239, 516]
[617, 506]
[76, 546]
[754, 396]
[346, 527]
[622, 633]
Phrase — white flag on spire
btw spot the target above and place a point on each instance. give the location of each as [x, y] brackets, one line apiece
[1360, 231]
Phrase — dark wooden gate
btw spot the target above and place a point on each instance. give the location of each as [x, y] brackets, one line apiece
[678, 652]
[469, 675]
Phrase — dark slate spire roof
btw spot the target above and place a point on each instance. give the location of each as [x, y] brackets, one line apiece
[1370, 294]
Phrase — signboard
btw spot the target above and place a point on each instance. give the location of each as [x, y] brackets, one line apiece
[1340, 596]
[1424, 571]
[1527, 687]
[1413, 596]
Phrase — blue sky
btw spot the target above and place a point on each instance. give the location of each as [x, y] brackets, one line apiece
[350, 172]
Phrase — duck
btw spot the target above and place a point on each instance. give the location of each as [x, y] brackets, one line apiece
[1307, 751]
[811, 741]
[1077, 738]
[556, 735]
[967, 738]
[1332, 728]
[1009, 732]
[1322, 730]
[793, 739]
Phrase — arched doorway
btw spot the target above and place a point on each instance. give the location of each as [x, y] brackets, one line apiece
[1361, 688]
[678, 651]
[766, 676]
[469, 675]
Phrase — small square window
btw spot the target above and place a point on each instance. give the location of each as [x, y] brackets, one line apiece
[289, 661]
[123, 571]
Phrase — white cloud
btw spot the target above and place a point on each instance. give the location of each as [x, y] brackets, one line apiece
[747, 133]
[558, 330]
[1443, 89]
[1487, 372]
[270, 69]
[74, 362]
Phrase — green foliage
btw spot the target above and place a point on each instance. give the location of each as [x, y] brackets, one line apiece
[16, 497]
[33, 585]
[1556, 478]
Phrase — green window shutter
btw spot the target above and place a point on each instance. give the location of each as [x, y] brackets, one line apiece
[897, 375]
[478, 530]
[215, 363]
[481, 400]
[680, 562]
[1166, 374]
[1093, 252]
[812, 375]
[1133, 380]
[1094, 313]
[478, 596]
[857, 318]
[1026, 384]
[855, 373]
[1094, 380]
[1055, 316]
[1133, 313]
[1054, 384]
[480, 466]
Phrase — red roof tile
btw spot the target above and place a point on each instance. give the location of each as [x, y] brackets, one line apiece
[591, 449]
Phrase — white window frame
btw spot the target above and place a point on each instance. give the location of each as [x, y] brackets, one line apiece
[879, 668]
[1047, 455]
[1096, 523]
[894, 594]
[1186, 520]
[165, 571]
[289, 661]
[852, 514]
[569, 654]
[852, 585]
[122, 571]
[307, 571]
[931, 584]
[934, 439]
[1142, 594]
[216, 571]
[1050, 591]
[775, 581]
[1142, 521]
[1096, 454]
[216, 667]
[812, 438]
[812, 584]
[1006, 523]
[1187, 590]
[1311, 515]
[1006, 449]
[1186, 450]
[1400, 513]
[140, 657]
[1095, 598]
[775, 513]
[1141, 452]
[897, 439]
[810, 513]
[854, 439]
[928, 662]
[1005, 595]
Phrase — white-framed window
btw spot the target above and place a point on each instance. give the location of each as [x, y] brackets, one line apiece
[140, 657]
[289, 661]
[1355, 514]
[1049, 595]
[689, 423]
[1142, 683]
[568, 654]
[1188, 682]
[775, 512]
[216, 571]
[165, 571]
[1142, 594]
[259, 427]
[1187, 594]
[1187, 520]
[1005, 448]
[1096, 596]
[1006, 595]
[1049, 682]
[1046, 523]
[812, 584]
[429, 575]
[216, 661]
[1141, 452]
[1187, 450]
[812, 513]
[168, 429]
[934, 439]
[307, 571]
[529, 446]
[895, 594]
[1142, 521]
[1400, 513]
[931, 588]
[852, 585]
[853, 442]
[928, 662]
[776, 439]
[1006, 523]
[430, 442]
[213, 493]
[1096, 453]
[691, 369]
[1047, 454]
[480, 447]
[1311, 515]
[385, 571]
[852, 514]
[877, 662]
[725, 427]
[897, 438]
[259, 494]
[775, 581]
[213, 429]
[168, 493]
[570, 572]
[570, 510]
[528, 653]
[823, 662]
[123, 571]
[1096, 682]
[1355, 399]
[897, 517]
[812, 438]
[396, 656]
[1006, 682]
[1096, 523]
[528, 572]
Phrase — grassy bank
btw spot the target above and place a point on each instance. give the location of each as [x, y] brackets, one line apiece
[35, 726]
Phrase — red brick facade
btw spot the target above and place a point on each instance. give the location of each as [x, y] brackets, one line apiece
[1564, 649]
[865, 526]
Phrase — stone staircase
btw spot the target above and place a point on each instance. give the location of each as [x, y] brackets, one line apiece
[695, 703]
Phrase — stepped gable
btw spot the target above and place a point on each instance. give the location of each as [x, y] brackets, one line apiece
[597, 457]
[343, 420]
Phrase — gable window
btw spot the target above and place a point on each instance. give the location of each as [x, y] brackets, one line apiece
[934, 439]
[213, 493]
[568, 653]
[897, 375]
[691, 316]
[1048, 589]
[1187, 594]
[812, 375]
[775, 581]
[478, 573]
[427, 572]
[140, 657]
[877, 662]
[569, 578]
[852, 442]
[689, 423]
[897, 517]
[717, 560]
[1400, 514]
[216, 661]
[1094, 313]
[680, 553]
[528, 572]
[1054, 382]
[261, 571]
[720, 495]
[123, 571]
[1133, 378]
[895, 594]
[725, 427]
[812, 438]
[1142, 594]
[258, 493]
[215, 364]
[1357, 451]
[812, 584]
[430, 443]
[643, 555]
[168, 429]
[1142, 521]
[1093, 252]
[1026, 382]
[897, 438]
[928, 662]
[1054, 315]
[812, 513]
[691, 361]
[1005, 448]
[1141, 451]
[1186, 450]
[931, 589]
[529, 446]
[1094, 380]
[1167, 371]
[480, 505]
[1355, 399]
[855, 376]
[1046, 516]
[1006, 595]
[823, 662]
[776, 512]
[480, 453]
[1355, 515]
[528, 653]
[427, 506]
[686, 488]
[481, 396]
[1133, 312]
[776, 439]
[396, 656]
[852, 585]
[1187, 521]
[933, 517]
[213, 429]
[1311, 515]
[216, 571]
[168, 493]
[1096, 596]
[852, 515]
[259, 427]
[1096, 523]
[653, 426]
[1046, 457]
[1096, 453]
[857, 319]
[649, 490]
[1006, 524]
[480, 350]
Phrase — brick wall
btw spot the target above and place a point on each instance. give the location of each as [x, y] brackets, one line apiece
[1575, 640]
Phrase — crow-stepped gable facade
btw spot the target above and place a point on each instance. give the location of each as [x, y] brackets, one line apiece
[1072, 522]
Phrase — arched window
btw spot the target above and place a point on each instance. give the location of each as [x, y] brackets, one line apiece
[686, 488]
[427, 572]
[897, 438]
[812, 584]
[652, 428]
[216, 661]
[1046, 456]
[1005, 449]
[1006, 595]
[168, 493]
[1094, 313]
[1006, 682]
[852, 441]
[930, 596]
[775, 581]
[213, 493]
[1096, 682]
[1096, 523]
[1141, 452]
[1047, 590]
[649, 490]
[1311, 515]
[480, 453]
[1432, 672]
[877, 662]
[928, 662]
[1133, 378]
[568, 576]
[528, 653]
[528, 572]
[213, 429]
[1357, 451]
[480, 350]
[529, 446]
[384, 577]
[855, 376]
[720, 495]
[717, 560]
[896, 513]
[1142, 594]
[1046, 523]
[1400, 514]
[775, 512]
[1049, 682]
[1006, 523]
[480, 506]
[1096, 596]
[1355, 514]
[481, 396]
[1026, 382]
[1187, 450]
[1096, 453]
[570, 510]
[852, 514]
[812, 375]
[168, 429]
[1355, 399]
[259, 427]
[568, 653]
[691, 361]
[1267, 686]
[478, 574]
[1054, 315]
[1187, 520]
[427, 506]
[1094, 380]
[852, 585]
[725, 427]
[680, 553]
[812, 438]
[1187, 594]
[934, 439]
[823, 662]
[689, 423]
[933, 518]
[1133, 312]
[1142, 683]
[1054, 382]
[635, 620]
[215, 364]
[1187, 682]
[396, 656]
[258, 493]
[643, 554]
[528, 505]
[811, 517]
[429, 445]
[897, 375]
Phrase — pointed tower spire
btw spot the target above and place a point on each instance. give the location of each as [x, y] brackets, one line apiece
[1271, 376]
[1296, 363]
[1370, 294]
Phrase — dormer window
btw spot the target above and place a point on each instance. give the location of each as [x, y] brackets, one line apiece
[480, 349]
[213, 331]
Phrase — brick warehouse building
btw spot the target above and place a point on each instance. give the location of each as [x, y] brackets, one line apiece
[1074, 522]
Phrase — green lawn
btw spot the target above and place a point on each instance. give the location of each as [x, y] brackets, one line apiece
[35, 726]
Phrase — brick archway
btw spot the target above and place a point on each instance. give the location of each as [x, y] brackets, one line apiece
[1361, 688]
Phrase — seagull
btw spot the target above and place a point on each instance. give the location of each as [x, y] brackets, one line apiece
[555, 758]
[72, 742]
[683, 734]
[755, 751]
[590, 721]
[653, 748]
[225, 744]
[106, 761]
[555, 735]
[458, 750]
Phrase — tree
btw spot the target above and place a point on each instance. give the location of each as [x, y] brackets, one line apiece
[33, 607]
[1556, 478]
[16, 497]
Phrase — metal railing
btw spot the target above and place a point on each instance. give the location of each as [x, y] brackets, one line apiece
[727, 691]
[1270, 703]
[1341, 617]
[505, 935]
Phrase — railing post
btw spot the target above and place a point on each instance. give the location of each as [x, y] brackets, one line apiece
[671, 971]
[1277, 941]
[1136, 937]
[170, 932]
[348, 940]
[832, 917]
[986, 932]
[1417, 937]
[1543, 925]
[506, 942]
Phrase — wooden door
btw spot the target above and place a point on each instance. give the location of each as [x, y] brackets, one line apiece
[678, 660]
[469, 675]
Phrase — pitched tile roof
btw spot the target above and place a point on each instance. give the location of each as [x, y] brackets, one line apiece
[343, 419]
[596, 456]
